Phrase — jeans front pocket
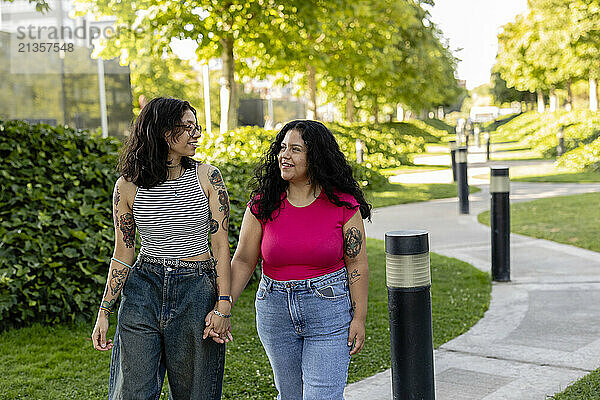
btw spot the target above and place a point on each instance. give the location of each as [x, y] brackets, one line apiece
[331, 290]
[261, 292]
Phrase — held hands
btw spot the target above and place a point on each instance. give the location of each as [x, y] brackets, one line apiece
[218, 327]
[356, 336]
[99, 334]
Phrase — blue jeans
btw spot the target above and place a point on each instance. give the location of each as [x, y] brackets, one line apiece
[303, 326]
[160, 326]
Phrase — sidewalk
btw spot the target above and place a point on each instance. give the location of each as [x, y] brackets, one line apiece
[542, 330]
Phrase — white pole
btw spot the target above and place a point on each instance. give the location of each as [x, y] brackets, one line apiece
[206, 84]
[593, 95]
[102, 89]
[224, 106]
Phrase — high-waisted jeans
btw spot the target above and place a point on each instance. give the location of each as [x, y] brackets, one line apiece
[303, 326]
[160, 327]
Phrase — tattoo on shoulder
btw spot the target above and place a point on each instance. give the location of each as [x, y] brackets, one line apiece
[117, 280]
[215, 178]
[352, 242]
[354, 277]
[127, 226]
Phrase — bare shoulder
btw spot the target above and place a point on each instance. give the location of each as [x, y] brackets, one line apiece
[126, 189]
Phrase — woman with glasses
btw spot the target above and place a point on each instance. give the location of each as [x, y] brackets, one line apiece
[305, 220]
[173, 203]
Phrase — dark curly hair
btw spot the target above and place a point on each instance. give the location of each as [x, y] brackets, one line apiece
[143, 159]
[327, 167]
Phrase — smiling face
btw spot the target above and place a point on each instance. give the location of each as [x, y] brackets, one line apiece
[293, 160]
[187, 141]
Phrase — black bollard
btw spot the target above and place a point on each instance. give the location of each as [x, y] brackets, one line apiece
[487, 152]
[463, 183]
[500, 223]
[453, 158]
[408, 280]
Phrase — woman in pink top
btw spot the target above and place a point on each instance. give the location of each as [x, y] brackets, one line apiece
[305, 220]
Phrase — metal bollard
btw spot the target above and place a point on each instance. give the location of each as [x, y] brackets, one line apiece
[487, 152]
[408, 280]
[463, 182]
[500, 223]
[359, 151]
[453, 158]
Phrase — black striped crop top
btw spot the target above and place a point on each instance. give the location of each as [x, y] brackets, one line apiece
[173, 218]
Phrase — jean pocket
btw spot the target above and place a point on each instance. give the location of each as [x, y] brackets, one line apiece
[332, 290]
[261, 293]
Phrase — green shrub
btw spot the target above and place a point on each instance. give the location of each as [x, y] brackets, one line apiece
[55, 222]
[585, 157]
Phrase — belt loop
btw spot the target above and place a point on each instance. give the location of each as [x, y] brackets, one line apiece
[269, 285]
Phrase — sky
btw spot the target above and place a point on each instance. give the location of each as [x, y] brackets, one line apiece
[473, 25]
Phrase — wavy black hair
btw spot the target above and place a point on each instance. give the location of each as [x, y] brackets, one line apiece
[327, 167]
[143, 159]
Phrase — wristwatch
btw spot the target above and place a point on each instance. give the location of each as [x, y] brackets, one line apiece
[226, 298]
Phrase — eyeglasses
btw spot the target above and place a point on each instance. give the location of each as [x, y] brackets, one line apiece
[191, 129]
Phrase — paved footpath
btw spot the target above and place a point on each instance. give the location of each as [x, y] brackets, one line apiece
[542, 330]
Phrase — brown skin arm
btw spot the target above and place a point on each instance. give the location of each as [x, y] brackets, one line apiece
[123, 196]
[355, 256]
[246, 255]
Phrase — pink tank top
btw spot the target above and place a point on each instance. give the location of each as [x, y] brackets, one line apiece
[305, 242]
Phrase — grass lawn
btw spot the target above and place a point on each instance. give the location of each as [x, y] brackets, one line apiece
[587, 388]
[58, 362]
[573, 220]
[559, 176]
[397, 193]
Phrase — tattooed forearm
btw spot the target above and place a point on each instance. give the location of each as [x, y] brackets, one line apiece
[127, 226]
[353, 305]
[107, 306]
[225, 223]
[352, 242]
[214, 226]
[119, 276]
[354, 277]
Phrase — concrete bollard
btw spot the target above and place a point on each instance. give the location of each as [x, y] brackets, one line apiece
[453, 158]
[500, 223]
[463, 182]
[408, 278]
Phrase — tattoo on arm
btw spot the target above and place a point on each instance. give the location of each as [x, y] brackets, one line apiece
[354, 276]
[353, 305]
[109, 305]
[119, 276]
[127, 226]
[214, 226]
[116, 198]
[352, 242]
[215, 179]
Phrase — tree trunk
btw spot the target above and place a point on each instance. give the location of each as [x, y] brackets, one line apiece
[229, 88]
[540, 101]
[312, 92]
[569, 95]
[376, 110]
[593, 94]
[553, 101]
[349, 101]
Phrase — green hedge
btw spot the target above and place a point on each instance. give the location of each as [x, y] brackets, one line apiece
[55, 227]
[585, 157]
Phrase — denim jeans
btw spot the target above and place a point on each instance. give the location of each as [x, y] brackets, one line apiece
[160, 326]
[303, 326]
